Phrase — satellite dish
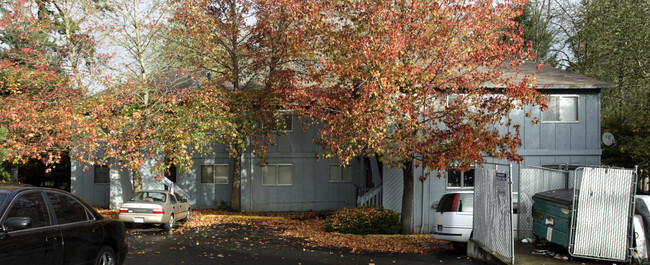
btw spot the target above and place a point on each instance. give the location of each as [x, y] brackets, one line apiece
[608, 139]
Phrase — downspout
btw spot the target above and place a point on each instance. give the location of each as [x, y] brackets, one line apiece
[250, 173]
[422, 214]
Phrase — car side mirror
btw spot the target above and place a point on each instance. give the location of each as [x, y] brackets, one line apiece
[18, 223]
[435, 205]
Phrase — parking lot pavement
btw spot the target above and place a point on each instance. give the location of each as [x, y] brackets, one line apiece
[549, 254]
[242, 244]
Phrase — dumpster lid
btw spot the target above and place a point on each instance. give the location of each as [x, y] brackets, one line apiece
[561, 196]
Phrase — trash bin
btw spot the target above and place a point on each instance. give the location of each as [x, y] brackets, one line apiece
[552, 215]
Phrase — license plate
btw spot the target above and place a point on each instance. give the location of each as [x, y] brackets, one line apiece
[138, 220]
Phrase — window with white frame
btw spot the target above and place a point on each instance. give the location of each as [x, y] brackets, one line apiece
[214, 174]
[277, 175]
[561, 108]
[456, 178]
[102, 174]
[340, 173]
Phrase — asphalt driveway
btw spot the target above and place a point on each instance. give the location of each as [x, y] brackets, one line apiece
[249, 244]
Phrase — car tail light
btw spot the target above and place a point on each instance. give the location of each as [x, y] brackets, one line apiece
[124, 210]
[158, 212]
[454, 205]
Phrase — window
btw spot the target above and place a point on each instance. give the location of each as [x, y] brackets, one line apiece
[30, 205]
[285, 122]
[101, 174]
[460, 179]
[561, 109]
[150, 196]
[456, 202]
[277, 175]
[67, 209]
[214, 174]
[340, 174]
[179, 198]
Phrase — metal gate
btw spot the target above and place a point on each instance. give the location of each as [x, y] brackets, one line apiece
[493, 224]
[603, 213]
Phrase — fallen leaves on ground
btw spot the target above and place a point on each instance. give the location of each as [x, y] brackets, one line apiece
[308, 228]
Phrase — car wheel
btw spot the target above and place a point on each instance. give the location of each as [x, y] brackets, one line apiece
[187, 216]
[105, 256]
[170, 224]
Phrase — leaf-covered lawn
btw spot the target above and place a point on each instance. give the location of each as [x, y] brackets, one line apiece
[309, 228]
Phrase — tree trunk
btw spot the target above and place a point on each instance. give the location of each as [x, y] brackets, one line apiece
[235, 198]
[137, 180]
[407, 197]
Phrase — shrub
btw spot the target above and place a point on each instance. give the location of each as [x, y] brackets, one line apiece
[364, 220]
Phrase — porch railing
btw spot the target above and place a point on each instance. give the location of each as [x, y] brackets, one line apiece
[177, 189]
[371, 197]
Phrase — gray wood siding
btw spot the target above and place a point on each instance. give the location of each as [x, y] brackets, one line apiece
[393, 188]
[569, 138]
[311, 189]
[545, 143]
[207, 195]
[83, 185]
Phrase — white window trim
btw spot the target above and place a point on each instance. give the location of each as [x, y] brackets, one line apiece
[340, 175]
[276, 166]
[577, 108]
[213, 176]
[462, 180]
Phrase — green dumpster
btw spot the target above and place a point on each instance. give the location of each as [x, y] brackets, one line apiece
[552, 215]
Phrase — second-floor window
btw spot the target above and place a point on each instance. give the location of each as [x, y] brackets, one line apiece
[285, 122]
[562, 108]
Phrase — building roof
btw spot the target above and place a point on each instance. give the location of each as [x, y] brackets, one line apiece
[553, 78]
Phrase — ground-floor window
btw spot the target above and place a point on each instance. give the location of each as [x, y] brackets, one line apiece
[340, 173]
[214, 174]
[277, 175]
[459, 179]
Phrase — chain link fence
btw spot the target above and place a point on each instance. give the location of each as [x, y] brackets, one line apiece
[533, 180]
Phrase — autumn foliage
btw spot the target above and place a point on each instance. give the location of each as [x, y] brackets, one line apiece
[416, 83]
[307, 229]
[39, 102]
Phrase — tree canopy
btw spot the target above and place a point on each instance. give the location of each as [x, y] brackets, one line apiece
[407, 81]
[612, 43]
[241, 45]
[416, 83]
[39, 95]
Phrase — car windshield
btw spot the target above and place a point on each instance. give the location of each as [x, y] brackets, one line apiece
[148, 196]
[2, 197]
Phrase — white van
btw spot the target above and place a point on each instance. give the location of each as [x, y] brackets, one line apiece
[454, 217]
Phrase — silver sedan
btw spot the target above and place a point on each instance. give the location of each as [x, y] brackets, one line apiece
[155, 207]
